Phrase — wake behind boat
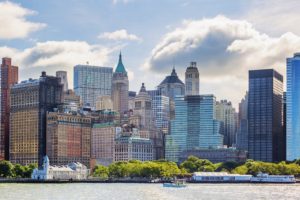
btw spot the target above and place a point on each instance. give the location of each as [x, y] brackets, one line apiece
[176, 184]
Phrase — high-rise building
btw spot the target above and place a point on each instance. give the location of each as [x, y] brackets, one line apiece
[68, 138]
[172, 86]
[265, 136]
[8, 77]
[161, 110]
[90, 82]
[30, 102]
[71, 101]
[120, 86]
[194, 127]
[293, 108]
[242, 133]
[63, 79]
[226, 114]
[192, 80]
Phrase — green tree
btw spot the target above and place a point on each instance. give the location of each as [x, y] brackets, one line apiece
[101, 172]
[6, 169]
[19, 171]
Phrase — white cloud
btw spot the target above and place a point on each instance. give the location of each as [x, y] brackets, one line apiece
[14, 23]
[119, 35]
[224, 49]
[57, 55]
[121, 1]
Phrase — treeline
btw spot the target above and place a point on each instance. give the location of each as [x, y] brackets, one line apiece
[9, 170]
[166, 169]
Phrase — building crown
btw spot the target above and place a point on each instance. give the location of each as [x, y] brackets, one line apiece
[120, 67]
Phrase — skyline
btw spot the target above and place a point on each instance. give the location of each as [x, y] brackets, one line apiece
[218, 36]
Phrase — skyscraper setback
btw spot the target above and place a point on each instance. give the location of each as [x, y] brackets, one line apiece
[265, 137]
[192, 80]
[293, 108]
[9, 77]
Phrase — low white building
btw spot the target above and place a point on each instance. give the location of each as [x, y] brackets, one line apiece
[72, 171]
[220, 177]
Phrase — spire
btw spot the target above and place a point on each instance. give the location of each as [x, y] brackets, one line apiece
[120, 67]
[173, 72]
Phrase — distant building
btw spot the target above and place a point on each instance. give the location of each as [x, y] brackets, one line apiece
[63, 79]
[30, 102]
[216, 155]
[195, 126]
[293, 108]
[226, 114]
[68, 138]
[71, 101]
[265, 136]
[90, 82]
[130, 146]
[242, 132]
[131, 96]
[104, 103]
[161, 110]
[72, 171]
[120, 86]
[192, 80]
[172, 86]
[9, 77]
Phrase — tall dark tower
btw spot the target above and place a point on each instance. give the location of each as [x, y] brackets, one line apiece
[120, 87]
[265, 136]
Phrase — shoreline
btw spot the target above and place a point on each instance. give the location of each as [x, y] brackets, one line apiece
[31, 181]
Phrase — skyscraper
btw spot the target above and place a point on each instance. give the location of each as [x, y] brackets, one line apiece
[242, 133]
[90, 82]
[120, 87]
[30, 102]
[172, 86]
[63, 79]
[293, 108]
[265, 136]
[9, 77]
[192, 80]
[194, 127]
[226, 114]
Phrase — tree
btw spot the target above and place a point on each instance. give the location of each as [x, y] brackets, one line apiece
[19, 171]
[194, 164]
[6, 169]
[101, 172]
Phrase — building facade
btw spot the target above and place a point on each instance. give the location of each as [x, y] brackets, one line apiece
[242, 132]
[71, 101]
[104, 103]
[192, 80]
[120, 87]
[63, 79]
[8, 77]
[30, 102]
[226, 114]
[194, 127]
[90, 82]
[68, 138]
[293, 108]
[265, 136]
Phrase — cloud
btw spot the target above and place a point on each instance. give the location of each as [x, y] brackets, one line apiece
[121, 34]
[57, 55]
[14, 23]
[121, 1]
[224, 49]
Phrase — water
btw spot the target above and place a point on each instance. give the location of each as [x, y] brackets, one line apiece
[147, 191]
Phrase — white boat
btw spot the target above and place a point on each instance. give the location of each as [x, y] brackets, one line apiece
[266, 178]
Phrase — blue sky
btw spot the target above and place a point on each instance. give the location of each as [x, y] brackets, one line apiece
[226, 38]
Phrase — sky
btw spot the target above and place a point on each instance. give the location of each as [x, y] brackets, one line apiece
[225, 37]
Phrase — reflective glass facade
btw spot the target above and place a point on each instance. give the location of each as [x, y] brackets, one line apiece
[90, 82]
[194, 127]
[265, 136]
[293, 108]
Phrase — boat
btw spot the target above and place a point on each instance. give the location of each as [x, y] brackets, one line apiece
[266, 178]
[176, 184]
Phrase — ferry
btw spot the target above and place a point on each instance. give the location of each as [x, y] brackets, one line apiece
[266, 178]
[176, 184]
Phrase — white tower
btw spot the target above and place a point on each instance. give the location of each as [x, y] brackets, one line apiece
[63, 79]
[192, 80]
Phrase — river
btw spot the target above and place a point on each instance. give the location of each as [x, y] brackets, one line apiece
[116, 191]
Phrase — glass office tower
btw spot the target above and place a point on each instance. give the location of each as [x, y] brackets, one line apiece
[265, 136]
[90, 82]
[293, 108]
